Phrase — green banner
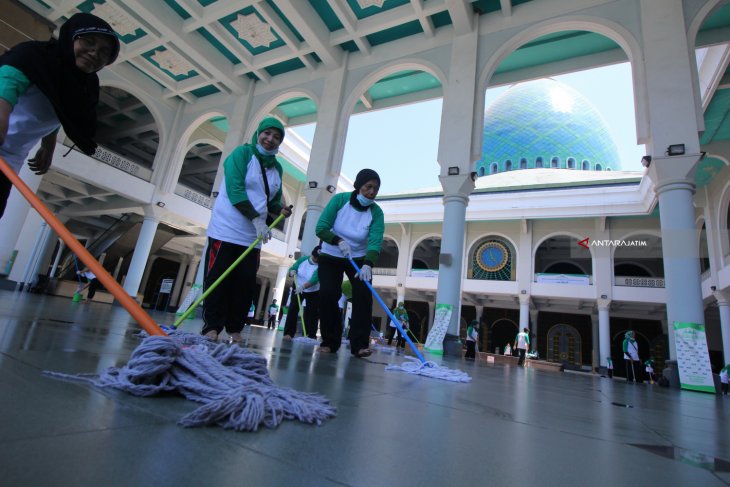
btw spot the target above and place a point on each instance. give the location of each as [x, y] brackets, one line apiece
[441, 319]
[693, 359]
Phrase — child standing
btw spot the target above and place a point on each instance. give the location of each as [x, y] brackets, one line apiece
[48, 84]
[472, 337]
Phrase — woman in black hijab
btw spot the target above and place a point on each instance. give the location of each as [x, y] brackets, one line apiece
[47, 84]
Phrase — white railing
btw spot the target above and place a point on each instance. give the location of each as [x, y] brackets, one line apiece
[382, 271]
[639, 281]
[194, 196]
[549, 278]
[123, 164]
[423, 273]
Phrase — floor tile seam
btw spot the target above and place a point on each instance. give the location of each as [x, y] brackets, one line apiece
[85, 432]
[277, 459]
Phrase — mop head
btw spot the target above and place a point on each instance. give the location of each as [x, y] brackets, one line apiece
[429, 369]
[306, 340]
[231, 383]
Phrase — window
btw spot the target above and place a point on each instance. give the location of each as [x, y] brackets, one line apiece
[493, 168]
[555, 162]
[599, 167]
[586, 166]
[571, 163]
[523, 163]
[538, 162]
[481, 171]
[508, 165]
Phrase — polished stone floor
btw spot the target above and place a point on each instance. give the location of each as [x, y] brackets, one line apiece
[509, 426]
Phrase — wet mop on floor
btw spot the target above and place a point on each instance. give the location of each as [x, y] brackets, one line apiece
[231, 383]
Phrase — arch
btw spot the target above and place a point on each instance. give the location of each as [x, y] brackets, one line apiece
[565, 251]
[564, 267]
[523, 163]
[562, 346]
[555, 162]
[599, 167]
[557, 234]
[504, 270]
[500, 332]
[149, 101]
[508, 165]
[570, 164]
[267, 108]
[614, 31]
[348, 107]
[723, 220]
[388, 253]
[538, 161]
[493, 168]
[585, 165]
[429, 261]
[481, 171]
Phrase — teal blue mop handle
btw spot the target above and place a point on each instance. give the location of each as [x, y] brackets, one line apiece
[390, 315]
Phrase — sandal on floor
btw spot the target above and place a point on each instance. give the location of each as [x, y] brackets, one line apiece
[363, 352]
[236, 338]
[324, 349]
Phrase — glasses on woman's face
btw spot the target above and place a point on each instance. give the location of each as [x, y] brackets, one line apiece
[100, 45]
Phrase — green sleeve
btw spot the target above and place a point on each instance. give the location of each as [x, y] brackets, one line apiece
[327, 218]
[625, 346]
[235, 167]
[527, 339]
[13, 83]
[276, 204]
[375, 237]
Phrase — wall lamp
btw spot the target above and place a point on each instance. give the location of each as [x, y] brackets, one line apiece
[523, 291]
[603, 296]
[215, 194]
[646, 161]
[161, 204]
[675, 150]
[331, 188]
[713, 288]
[312, 184]
[453, 171]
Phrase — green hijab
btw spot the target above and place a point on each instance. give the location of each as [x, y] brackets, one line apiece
[266, 123]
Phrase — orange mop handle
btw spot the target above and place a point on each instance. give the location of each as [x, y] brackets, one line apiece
[132, 307]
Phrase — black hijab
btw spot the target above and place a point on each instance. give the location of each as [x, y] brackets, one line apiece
[51, 65]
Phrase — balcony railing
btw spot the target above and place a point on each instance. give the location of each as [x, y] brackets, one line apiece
[548, 278]
[194, 196]
[424, 273]
[639, 281]
[123, 164]
[382, 271]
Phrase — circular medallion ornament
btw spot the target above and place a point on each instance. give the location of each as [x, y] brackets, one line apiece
[492, 256]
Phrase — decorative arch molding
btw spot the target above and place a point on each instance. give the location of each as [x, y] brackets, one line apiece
[370, 79]
[570, 262]
[214, 142]
[692, 31]
[267, 108]
[614, 31]
[491, 257]
[416, 243]
[722, 218]
[390, 237]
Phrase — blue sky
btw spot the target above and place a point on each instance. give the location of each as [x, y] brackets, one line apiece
[402, 143]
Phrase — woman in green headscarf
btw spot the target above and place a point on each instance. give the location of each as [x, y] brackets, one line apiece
[250, 190]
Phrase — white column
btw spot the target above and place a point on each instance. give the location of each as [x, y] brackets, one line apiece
[458, 117]
[723, 303]
[16, 212]
[668, 68]
[328, 145]
[278, 292]
[533, 322]
[524, 312]
[604, 331]
[179, 280]
[142, 251]
[118, 268]
[260, 302]
[56, 260]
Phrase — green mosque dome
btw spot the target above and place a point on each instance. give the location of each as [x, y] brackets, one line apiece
[545, 123]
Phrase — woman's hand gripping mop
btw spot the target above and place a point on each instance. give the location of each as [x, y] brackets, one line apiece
[231, 384]
[418, 366]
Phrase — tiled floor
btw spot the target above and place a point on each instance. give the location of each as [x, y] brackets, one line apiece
[509, 426]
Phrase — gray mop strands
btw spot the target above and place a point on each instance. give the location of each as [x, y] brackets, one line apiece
[231, 383]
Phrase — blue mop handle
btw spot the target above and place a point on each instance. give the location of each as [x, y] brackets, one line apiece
[390, 315]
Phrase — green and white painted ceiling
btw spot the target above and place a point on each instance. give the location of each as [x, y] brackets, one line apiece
[197, 48]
